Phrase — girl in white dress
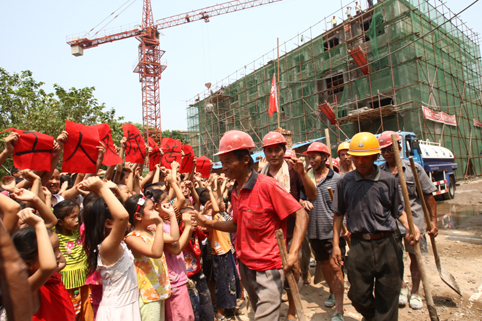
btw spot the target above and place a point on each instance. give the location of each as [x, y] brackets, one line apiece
[105, 225]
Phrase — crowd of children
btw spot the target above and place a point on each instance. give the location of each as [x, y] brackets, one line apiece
[120, 246]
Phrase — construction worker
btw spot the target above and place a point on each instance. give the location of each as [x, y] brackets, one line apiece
[260, 207]
[292, 175]
[346, 165]
[333, 21]
[320, 226]
[386, 146]
[335, 163]
[370, 3]
[370, 199]
[348, 12]
[357, 8]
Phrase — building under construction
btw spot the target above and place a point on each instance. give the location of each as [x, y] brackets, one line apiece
[371, 72]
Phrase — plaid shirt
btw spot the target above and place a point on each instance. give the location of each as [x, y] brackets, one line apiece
[261, 208]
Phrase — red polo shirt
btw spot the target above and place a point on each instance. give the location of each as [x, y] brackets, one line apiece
[261, 208]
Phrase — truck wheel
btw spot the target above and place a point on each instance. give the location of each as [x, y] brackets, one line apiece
[451, 187]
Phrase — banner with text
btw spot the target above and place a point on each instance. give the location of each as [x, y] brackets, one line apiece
[439, 117]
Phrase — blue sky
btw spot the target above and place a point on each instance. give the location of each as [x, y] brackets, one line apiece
[33, 37]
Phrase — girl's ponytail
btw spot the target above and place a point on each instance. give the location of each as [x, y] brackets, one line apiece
[95, 214]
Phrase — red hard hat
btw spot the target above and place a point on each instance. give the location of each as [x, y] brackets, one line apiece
[317, 147]
[385, 139]
[235, 140]
[289, 154]
[335, 163]
[273, 138]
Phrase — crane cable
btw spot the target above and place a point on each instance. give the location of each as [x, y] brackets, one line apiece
[88, 32]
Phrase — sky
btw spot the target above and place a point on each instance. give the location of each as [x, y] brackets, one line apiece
[33, 37]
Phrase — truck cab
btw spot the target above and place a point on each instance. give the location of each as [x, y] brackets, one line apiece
[437, 161]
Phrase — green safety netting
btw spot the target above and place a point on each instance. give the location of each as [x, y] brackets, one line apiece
[446, 58]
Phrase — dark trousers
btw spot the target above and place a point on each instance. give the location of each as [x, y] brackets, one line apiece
[375, 264]
[201, 298]
[224, 275]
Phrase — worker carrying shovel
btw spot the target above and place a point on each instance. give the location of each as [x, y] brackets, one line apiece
[387, 151]
[260, 207]
[370, 199]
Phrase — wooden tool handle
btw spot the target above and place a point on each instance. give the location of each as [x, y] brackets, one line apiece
[328, 144]
[295, 293]
[420, 194]
[418, 254]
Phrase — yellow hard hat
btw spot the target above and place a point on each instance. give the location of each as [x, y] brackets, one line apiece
[364, 144]
[343, 146]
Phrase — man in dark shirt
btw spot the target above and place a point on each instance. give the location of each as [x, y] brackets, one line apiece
[370, 199]
[292, 175]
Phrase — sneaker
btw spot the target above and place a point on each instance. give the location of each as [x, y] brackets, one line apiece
[338, 317]
[284, 297]
[312, 262]
[402, 298]
[416, 302]
[330, 303]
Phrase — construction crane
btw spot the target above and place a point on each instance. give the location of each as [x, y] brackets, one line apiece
[149, 66]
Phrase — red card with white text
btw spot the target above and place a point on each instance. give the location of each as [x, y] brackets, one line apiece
[110, 157]
[172, 152]
[203, 166]
[187, 160]
[32, 150]
[80, 150]
[135, 151]
[155, 155]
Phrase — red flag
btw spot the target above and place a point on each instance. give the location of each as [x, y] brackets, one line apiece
[172, 152]
[203, 166]
[110, 157]
[155, 155]
[187, 160]
[135, 147]
[273, 98]
[80, 150]
[33, 150]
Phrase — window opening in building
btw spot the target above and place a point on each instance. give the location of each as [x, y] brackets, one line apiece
[335, 82]
[383, 102]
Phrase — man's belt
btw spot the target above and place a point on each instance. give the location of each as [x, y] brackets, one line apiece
[369, 237]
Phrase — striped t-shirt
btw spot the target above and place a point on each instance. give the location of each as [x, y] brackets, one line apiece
[320, 226]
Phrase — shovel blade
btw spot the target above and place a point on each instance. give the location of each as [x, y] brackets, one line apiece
[449, 279]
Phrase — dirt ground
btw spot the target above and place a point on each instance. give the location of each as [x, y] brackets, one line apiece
[460, 249]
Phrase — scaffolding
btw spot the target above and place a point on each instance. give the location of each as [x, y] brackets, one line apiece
[371, 72]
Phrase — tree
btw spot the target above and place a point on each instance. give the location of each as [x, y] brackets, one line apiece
[175, 134]
[24, 104]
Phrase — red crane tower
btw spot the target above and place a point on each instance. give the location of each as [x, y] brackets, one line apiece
[149, 66]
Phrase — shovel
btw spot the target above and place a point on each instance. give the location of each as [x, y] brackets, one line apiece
[295, 292]
[445, 275]
[432, 310]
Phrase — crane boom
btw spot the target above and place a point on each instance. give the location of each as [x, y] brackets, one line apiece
[195, 15]
[208, 12]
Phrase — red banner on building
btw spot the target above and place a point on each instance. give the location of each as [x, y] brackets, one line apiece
[477, 123]
[439, 117]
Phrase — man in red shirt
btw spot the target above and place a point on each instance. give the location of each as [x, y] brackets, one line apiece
[260, 207]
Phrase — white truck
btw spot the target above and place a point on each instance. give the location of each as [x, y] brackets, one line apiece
[437, 161]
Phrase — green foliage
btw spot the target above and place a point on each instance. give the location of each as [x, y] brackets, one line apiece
[24, 104]
[175, 134]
